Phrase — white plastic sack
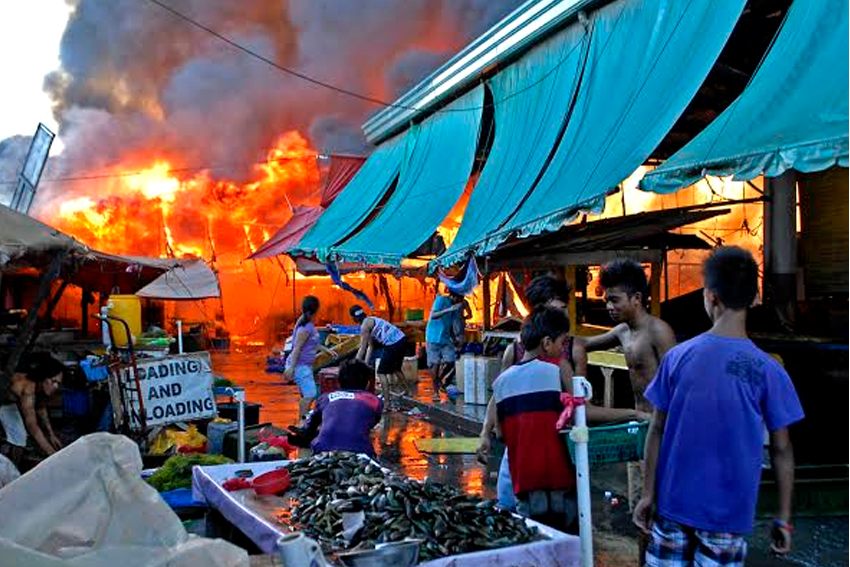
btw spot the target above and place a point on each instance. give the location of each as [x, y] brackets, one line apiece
[88, 506]
[8, 471]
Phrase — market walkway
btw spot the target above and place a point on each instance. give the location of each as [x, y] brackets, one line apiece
[819, 542]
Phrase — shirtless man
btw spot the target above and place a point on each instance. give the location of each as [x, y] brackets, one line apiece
[644, 339]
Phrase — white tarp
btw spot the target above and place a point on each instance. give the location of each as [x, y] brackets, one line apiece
[87, 506]
[187, 279]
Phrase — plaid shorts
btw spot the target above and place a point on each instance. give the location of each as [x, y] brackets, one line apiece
[674, 545]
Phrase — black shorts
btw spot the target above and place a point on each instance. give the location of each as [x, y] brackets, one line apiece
[392, 357]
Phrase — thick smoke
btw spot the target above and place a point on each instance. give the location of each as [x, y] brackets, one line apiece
[136, 80]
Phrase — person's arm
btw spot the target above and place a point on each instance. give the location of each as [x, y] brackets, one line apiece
[487, 429]
[328, 352]
[782, 459]
[41, 410]
[443, 312]
[31, 420]
[643, 511]
[579, 357]
[365, 341]
[467, 310]
[508, 357]
[297, 347]
[609, 339]
[600, 414]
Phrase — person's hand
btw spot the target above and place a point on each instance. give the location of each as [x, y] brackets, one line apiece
[57, 444]
[781, 536]
[643, 416]
[482, 454]
[642, 516]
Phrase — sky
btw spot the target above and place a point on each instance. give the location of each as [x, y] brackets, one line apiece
[30, 32]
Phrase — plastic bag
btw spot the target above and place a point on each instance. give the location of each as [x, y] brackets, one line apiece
[87, 505]
[8, 471]
[188, 441]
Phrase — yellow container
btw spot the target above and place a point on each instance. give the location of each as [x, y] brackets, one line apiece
[128, 308]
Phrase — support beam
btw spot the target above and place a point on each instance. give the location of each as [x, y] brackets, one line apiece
[22, 343]
[655, 289]
[780, 245]
[487, 302]
[572, 306]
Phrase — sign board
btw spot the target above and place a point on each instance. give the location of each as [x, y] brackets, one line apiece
[175, 388]
[31, 172]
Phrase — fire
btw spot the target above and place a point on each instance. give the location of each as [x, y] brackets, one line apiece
[156, 206]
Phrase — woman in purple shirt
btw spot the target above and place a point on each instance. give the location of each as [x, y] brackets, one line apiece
[343, 420]
[305, 343]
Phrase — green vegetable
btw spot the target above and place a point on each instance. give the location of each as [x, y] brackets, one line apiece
[222, 383]
[176, 472]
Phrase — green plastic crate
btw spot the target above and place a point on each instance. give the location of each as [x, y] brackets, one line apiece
[612, 443]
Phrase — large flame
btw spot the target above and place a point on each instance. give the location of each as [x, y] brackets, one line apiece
[156, 207]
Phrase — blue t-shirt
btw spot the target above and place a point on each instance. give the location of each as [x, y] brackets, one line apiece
[718, 393]
[439, 330]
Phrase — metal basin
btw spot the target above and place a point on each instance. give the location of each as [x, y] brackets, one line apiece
[397, 554]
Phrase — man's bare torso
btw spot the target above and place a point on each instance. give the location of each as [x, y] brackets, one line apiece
[643, 355]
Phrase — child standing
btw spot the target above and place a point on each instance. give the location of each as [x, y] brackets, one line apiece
[703, 480]
[527, 405]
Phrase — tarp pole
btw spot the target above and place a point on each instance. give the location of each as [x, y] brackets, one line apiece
[579, 434]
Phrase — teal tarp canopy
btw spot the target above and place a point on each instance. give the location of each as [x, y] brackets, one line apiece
[646, 61]
[356, 202]
[531, 102]
[792, 115]
[430, 183]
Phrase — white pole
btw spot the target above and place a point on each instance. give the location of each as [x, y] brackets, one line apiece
[579, 434]
[179, 336]
[240, 420]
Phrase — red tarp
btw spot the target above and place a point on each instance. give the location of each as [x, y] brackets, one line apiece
[303, 218]
[340, 172]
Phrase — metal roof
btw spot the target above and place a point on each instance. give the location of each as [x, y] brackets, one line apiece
[505, 41]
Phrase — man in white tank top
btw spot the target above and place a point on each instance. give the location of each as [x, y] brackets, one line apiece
[378, 333]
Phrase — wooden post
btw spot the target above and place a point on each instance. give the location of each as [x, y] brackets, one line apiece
[655, 289]
[22, 343]
[570, 274]
[666, 261]
[780, 240]
[487, 313]
[51, 305]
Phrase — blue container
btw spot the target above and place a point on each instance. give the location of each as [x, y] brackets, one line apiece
[181, 500]
[94, 373]
[75, 402]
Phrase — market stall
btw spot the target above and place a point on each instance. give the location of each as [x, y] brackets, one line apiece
[264, 519]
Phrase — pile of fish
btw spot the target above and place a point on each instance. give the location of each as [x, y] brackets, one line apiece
[444, 519]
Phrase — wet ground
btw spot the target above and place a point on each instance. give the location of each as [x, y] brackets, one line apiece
[821, 542]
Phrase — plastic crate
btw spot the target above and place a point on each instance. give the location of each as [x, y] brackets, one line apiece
[613, 443]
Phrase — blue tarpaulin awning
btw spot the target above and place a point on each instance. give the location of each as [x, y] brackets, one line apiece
[356, 202]
[646, 60]
[792, 115]
[531, 103]
[431, 181]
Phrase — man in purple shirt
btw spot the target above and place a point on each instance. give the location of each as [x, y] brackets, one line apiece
[342, 420]
[713, 396]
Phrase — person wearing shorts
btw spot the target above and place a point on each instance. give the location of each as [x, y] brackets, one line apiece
[713, 396]
[439, 343]
[299, 364]
[377, 333]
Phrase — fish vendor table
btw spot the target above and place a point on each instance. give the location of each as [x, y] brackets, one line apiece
[256, 517]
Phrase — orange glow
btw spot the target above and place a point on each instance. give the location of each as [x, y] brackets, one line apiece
[152, 205]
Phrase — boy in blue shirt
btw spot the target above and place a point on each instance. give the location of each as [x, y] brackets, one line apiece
[713, 395]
